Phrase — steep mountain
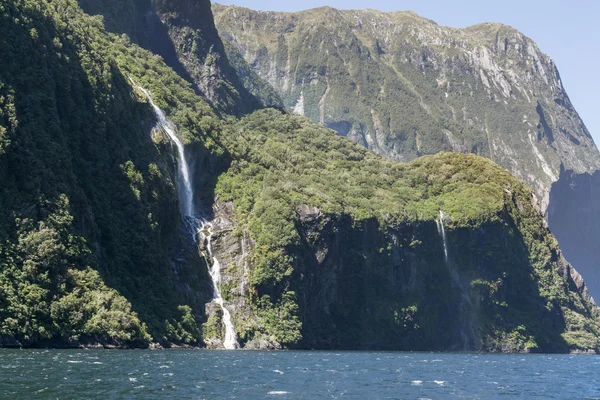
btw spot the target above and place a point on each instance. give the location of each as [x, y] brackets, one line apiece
[184, 35]
[403, 86]
[91, 247]
[312, 241]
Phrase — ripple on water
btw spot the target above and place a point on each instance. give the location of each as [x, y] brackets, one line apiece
[290, 374]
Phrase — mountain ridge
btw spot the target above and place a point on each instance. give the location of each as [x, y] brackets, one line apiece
[405, 87]
[471, 35]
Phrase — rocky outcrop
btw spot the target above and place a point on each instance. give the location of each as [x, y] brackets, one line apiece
[233, 250]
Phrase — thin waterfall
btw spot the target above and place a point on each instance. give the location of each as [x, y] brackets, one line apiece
[184, 183]
[466, 307]
[442, 232]
[197, 226]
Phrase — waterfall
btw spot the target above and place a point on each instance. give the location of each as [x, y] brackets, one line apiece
[196, 225]
[442, 232]
[184, 184]
[230, 341]
[466, 307]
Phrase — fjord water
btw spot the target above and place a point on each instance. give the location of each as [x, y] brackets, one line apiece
[203, 374]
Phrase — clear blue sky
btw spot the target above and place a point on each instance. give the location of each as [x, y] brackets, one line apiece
[566, 30]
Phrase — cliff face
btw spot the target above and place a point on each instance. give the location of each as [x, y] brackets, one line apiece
[183, 33]
[312, 263]
[404, 86]
[92, 250]
[573, 216]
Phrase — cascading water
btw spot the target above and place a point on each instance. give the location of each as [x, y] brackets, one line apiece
[466, 307]
[230, 341]
[184, 184]
[442, 232]
[199, 227]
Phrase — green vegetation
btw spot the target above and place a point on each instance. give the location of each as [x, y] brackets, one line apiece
[404, 86]
[305, 164]
[88, 208]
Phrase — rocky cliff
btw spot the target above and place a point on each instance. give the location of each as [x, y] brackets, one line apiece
[184, 35]
[404, 86]
[318, 260]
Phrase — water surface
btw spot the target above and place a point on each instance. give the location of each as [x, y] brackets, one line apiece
[203, 374]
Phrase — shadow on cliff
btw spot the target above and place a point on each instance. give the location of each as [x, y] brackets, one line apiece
[93, 144]
[137, 20]
[361, 286]
[145, 28]
[364, 286]
[506, 288]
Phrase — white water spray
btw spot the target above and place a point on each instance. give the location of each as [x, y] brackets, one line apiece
[230, 341]
[442, 232]
[197, 226]
[186, 194]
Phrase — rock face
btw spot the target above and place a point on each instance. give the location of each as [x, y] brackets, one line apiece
[404, 86]
[324, 274]
[183, 33]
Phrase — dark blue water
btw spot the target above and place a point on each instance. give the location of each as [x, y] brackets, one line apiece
[201, 374]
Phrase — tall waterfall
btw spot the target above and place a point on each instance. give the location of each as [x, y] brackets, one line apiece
[184, 183]
[198, 226]
[466, 307]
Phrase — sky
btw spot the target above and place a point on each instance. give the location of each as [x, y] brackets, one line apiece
[568, 31]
